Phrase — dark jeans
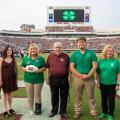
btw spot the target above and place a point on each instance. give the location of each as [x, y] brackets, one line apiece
[59, 89]
[108, 98]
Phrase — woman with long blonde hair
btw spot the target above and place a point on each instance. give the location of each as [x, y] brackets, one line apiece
[108, 79]
[33, 78]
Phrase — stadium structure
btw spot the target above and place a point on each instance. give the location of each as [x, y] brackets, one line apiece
[64, 24]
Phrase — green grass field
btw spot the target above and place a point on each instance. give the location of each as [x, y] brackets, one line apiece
[20, 93]
[70, 108]
[86, 115]
[13, 117]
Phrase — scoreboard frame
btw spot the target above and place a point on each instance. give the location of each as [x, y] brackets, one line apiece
[51, 20]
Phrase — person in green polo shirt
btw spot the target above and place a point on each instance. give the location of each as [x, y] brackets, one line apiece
[108, 75]
[33, 78]
[83, 64]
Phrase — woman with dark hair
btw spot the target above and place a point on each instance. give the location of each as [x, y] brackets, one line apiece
[8, 78]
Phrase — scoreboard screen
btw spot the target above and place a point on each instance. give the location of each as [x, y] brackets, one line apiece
[60, 15]
[68, 15]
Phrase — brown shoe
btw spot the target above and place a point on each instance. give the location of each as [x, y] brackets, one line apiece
[95, 115]
[63, 116]
[76, 116]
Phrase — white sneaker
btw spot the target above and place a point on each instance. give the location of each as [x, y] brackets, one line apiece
[31, 112]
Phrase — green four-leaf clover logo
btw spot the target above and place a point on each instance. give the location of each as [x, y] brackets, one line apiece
[69, 15]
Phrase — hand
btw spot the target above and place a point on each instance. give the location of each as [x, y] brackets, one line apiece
[84, 76]
[47, 81]
[38, 71]
[117, 87]
[1, 83]
[25, 70]
[17, 80]
[30, 71]
[69, 79]
[98, 85]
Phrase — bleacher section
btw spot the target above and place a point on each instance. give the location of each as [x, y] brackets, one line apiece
[19, 42]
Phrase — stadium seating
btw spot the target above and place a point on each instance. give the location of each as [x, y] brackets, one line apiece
[21, 43]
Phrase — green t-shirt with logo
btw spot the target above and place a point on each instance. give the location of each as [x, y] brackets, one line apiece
[83, 62]
[35, 78]
[108, 69]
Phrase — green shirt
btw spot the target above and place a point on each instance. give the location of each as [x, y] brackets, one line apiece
[108, 69]
[83, 62]
[35, 78]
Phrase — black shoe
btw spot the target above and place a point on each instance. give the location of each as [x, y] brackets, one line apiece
[11, 112]
[6, 114]
[52, 114]
[37, 108]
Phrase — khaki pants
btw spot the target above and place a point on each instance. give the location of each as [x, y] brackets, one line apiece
[33, 93]
[89, 85]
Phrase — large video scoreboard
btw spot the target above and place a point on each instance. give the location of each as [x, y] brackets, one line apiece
[66, 15]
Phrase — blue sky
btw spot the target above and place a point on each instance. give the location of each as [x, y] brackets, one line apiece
[13, 13]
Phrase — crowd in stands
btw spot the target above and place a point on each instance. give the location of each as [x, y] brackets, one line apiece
[20, 43]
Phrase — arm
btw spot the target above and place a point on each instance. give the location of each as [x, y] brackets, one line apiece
[74, 71]
[69, 77]
[47, 71]
[94, 65]
[118, 82]
[47, 76]
[118, 75]
[92, 71]
[72, 65]
[23, 69]
[97, 79]
[0, 72]
[69, 72]
[118, 78]
[42, 65]
[16, 70]
[41, 70]
[23, 65]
